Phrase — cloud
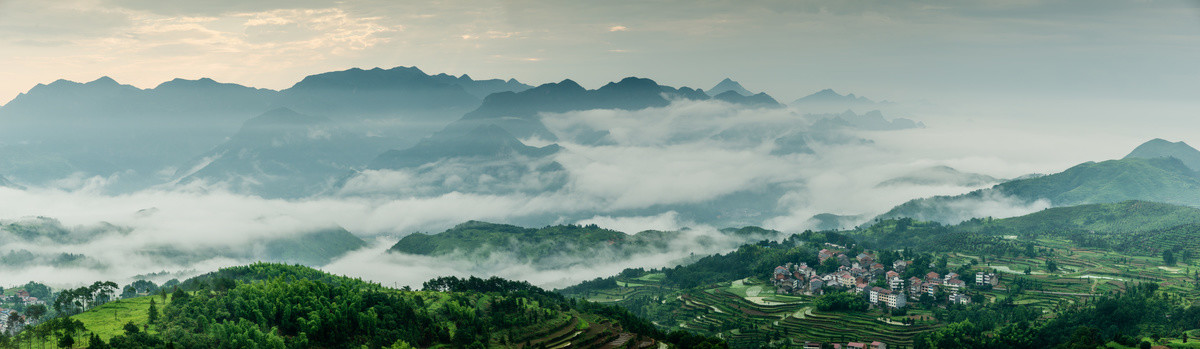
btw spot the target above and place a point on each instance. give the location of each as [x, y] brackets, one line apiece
[398, 269]
[618, 28]
[668, 221]
[687, 165]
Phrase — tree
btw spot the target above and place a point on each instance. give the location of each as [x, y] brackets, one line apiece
[96, 343]
[1168, 257]
[1051, 266]
[35, 311]
[179, 295]
[153, 312]
[66, 342]
[37, 290]
[130, 328]
[223, 284]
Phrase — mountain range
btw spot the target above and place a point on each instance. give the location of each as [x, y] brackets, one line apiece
[283, 153]
[829, 101]
[103, 128]
[486, 145]
[1158, 179]
[310, 137]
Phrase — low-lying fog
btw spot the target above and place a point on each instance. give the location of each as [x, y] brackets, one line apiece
[656, 158]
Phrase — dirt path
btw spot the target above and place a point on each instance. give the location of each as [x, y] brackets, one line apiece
[800, 314]
[890, 322]
[1054, 293]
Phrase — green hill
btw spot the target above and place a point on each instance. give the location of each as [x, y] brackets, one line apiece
[479, 240]
[316, 248]
[1165, 180]
[1134, 227]
[1156, 179]
[1159, 148]
[278, 306]
[1112, 218]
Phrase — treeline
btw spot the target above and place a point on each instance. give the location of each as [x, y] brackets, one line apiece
[1127, 317]
[280, 306]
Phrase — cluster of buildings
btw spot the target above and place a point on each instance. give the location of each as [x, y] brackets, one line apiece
[23, 297]
[950, 283]
[5, 325]
[858, 273]
[851, 345]
[6, 314]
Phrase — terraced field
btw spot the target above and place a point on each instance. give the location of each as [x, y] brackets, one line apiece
[850, 326]
[581, 331]
[744, 323]
[748, 312]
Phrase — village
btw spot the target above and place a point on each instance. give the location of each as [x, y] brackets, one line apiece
[12, 320]
[882, 286]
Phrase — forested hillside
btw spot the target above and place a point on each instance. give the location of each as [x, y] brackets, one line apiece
[280, 306]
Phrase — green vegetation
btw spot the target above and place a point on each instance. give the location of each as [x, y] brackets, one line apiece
[108, 320]
[841, 301]
[280, 306]
[1114, 274]
[725, 295]
[479, 240]
[1165, 180]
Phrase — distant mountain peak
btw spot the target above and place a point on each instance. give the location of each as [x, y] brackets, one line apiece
[104, 80]
[201, 82]
[760, 99]
[1161, 148]
[728, 85]
[829, 95]
[632, 83]
[568, 83]
[830, 101]
[412, 69]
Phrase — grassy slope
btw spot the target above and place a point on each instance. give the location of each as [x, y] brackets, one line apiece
[1160, 179]
[108, 320]
[1117, 218]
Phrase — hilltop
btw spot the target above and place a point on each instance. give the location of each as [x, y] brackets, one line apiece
[1159, 148]
[1165, 180]
[551, 246]
[293, 306]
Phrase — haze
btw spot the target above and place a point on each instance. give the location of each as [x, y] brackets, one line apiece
[992, 89]
[1142, 50]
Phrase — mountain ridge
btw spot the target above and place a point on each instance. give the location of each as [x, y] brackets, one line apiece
[1158, 147]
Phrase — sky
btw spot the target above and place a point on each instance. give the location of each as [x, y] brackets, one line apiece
[1018, 87]
[937, 50]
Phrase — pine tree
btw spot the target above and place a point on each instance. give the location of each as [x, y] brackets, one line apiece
[153, 315]
[66, 342]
